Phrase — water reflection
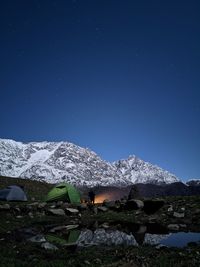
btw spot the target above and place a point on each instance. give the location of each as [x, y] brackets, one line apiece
[106, 237]
[129, 235]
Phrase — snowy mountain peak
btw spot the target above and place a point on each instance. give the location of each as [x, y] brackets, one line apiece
[64, 161]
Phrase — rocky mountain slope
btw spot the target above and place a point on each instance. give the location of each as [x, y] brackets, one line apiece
[63, 161]
[194, 182]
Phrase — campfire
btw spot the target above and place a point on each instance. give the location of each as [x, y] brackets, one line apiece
[99, 198]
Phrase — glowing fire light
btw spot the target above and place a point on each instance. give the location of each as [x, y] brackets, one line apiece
[101, 198]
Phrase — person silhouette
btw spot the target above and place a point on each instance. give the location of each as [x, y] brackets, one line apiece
[91, 196]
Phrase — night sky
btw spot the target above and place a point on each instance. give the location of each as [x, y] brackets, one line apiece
[120, 77]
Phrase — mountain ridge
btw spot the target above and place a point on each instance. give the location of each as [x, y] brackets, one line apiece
[64, 161]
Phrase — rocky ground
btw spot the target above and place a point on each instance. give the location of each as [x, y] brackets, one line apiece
[108, 234]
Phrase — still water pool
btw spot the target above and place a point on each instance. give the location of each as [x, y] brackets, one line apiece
[180, 239]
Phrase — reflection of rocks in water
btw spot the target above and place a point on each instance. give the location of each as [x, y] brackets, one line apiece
[109, 237]
[152, 239]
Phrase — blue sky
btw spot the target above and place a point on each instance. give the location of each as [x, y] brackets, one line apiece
[119, 77]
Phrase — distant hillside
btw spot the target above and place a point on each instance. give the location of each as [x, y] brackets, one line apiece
[174, 189]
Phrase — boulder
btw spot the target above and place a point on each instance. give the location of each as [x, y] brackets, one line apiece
[49, 246]
[179, 215]
[152, 206]
[5, 207]
[109, 204]
[134, 204]
[72, 211]
[58, 212]
[173, 227]
[37, 239]
[102, 209]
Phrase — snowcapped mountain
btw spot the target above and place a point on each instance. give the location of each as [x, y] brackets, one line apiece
[136, 171]
[62, 161]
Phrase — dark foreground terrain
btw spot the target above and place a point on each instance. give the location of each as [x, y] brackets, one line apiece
[123, 233]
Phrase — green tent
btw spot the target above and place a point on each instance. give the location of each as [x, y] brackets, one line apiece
[64, 192]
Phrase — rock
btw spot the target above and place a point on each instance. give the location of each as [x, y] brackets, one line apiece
[87, 262]
[17, 209]
[102, 209]
[151, 206]
[59, 204]
[83, 206]
[134, 204]
[105, 225]
[178, 215]
[142, 229]
[30, 214]
[64, 227]
[59, 212]
[48, 245]
[109, 204]
[183, 225]
[5, 207]
[42, 205]
[72, 211]
[173, 227]
[33, 204]
[197, 211]
[170, 208]
[153, 219]
[37, 239]
[19, 216]
[72, 226]
[160, 246]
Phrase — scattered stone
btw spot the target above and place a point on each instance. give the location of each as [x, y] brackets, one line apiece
[173, 227]
[134, 204]
[5, 207]
[72, 211]
[17, 209]
[19, 216]
[59, 212]
[142, 229]
[83, 206]
[87, 262]
[197, 211]
[103, 209]
[183, 225]
[109, 204]
[30, 214]
[72, 226]
[178, 215]
[59, 203]
[42, 205]
[105, 225]
[48, 245]
[64, 227]
[33, 204]
[152, 206]
[170, 208]
[37, 239]
[160, 246]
